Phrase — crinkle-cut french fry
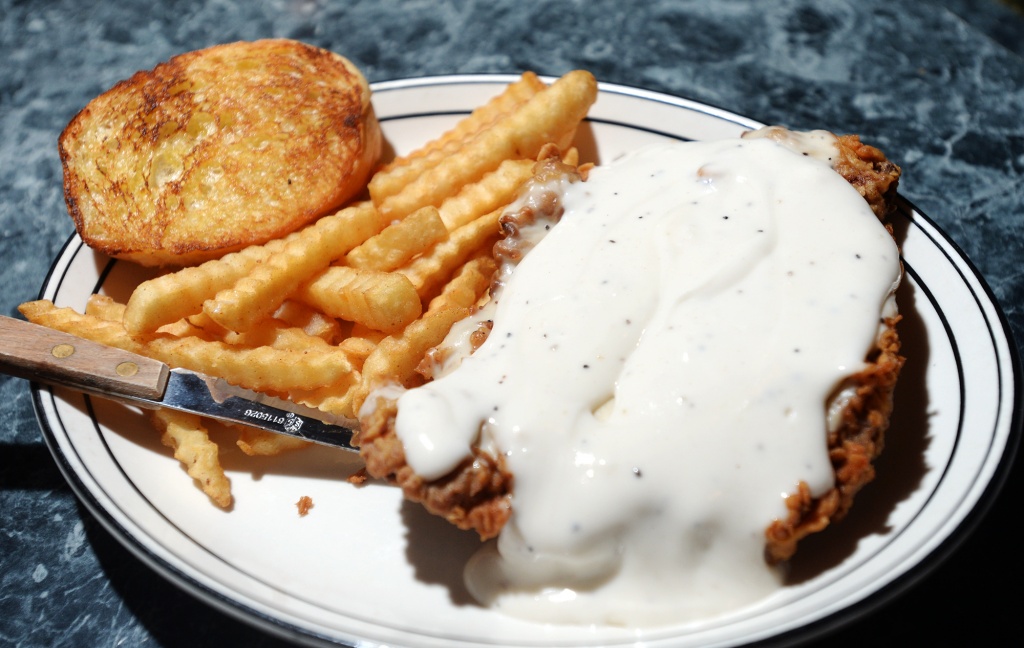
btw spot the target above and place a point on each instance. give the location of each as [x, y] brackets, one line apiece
[278, 335]
[334, 399]
[364, 331]
[396, 357]
[177, 295]
[400, 241]
[185, 328]
[550, 116]
[204, 327]
[260, 443]
[395, 175]
[496, 189]
[295, 313]
[385, 301]
[104, 307]
[257, 295]
[338, 404]
[192, 446]
[468, 285]
[45, 313]
[293, 337]
[514, 95]
[357, 348]
[361, 341]
[430, 271]
[262, 368]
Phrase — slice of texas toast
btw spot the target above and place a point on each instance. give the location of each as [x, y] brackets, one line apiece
[217, 149]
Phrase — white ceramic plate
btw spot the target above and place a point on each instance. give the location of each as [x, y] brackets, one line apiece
[364, 568]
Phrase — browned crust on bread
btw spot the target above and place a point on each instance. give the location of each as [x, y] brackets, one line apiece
[476, 495]
[217, 149]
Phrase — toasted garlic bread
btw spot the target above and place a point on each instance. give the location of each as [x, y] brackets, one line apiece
[217, 149]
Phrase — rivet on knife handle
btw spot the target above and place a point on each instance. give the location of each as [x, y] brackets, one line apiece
[45, 355]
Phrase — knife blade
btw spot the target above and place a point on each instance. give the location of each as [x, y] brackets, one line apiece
[45, 355]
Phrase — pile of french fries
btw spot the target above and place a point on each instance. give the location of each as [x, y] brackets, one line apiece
[354, 300]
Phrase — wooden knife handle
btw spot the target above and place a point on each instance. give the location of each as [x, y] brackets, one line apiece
[45, 355]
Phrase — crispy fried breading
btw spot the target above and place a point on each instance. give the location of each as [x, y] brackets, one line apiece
[476, 495]
[853, 447]
[870, 172]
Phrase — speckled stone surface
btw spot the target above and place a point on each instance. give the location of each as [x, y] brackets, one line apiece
[938, 85]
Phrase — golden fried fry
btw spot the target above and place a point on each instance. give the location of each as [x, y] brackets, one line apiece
[278, 335]
[45, 313]
[334, 399]
[394, 176]
[257, 295]
[104, 307]
[193, 448]
[495, 190]
[468, 285]
[200, 325]
[358, 348]
[396, 357]
[385, 301]
[171, 297]
[260, 443]
[362, 340]
[399, 242]
[310, 320]
[513, 96]
[261, 368]
[431, 270]
[550, 116]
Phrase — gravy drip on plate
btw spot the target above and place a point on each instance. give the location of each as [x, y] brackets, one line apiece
[657, 377]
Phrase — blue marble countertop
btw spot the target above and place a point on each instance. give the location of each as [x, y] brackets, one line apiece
[938, 85]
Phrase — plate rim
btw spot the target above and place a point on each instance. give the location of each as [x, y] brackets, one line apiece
[828, 623]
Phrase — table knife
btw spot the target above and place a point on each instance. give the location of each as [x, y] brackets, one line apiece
[53, 357]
